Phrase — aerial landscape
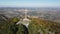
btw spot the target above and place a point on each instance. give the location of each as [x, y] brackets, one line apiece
[29, 17]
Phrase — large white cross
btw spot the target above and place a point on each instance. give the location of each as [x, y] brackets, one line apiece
[25, 21]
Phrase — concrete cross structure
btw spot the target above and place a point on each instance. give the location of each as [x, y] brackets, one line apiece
[25, 21]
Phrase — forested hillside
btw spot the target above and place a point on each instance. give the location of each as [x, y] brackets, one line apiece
[43, 25]
[36, 26]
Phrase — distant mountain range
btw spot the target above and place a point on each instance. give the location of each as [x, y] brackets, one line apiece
[49, 13]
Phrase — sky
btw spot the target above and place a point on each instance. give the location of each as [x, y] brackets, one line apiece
[29, 3]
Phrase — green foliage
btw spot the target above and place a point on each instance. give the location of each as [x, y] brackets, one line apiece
[34, 27]
[43, 25]
[22, 29]
[10, 27]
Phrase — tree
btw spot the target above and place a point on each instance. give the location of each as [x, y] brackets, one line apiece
[22, 29]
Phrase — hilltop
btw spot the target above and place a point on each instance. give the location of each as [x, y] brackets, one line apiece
[44, 25]
[37, 25]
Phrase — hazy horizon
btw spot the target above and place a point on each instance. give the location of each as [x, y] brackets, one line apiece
[29, 3]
